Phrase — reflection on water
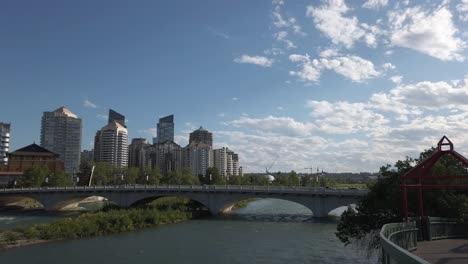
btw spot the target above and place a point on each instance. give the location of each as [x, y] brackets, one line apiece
[266, 231]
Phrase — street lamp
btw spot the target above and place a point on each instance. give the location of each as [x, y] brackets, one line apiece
[147, 178]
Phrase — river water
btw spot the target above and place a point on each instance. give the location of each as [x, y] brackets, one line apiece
[266, 231]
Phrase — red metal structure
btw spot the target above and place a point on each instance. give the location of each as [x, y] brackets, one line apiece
[421, 172]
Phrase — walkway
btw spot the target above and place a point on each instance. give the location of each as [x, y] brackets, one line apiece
[444, 251]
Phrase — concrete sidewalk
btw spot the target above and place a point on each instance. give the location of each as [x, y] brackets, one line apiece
[445, 251]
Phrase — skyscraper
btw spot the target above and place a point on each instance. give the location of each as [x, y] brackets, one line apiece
[165, 129]
[135, 158]
[201, 135]
[114, 116]
[165, 156]
[111, 144]
[61, 133]
[4, 142]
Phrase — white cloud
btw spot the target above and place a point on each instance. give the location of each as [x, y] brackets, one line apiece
[100, 116]
[345, 117]
[222, 114]
[381, 130]
[282, 36]
[235, 99]
[375, 4]
[280, 22]
[429, 32]
[309, 72]
[396, 79]
[328, 53]
[88, 104]
[462, 9]
[279, 108]
[148, 131]
[257, 60]
[388, 66]
[432, 95]
[273, 51]
[275, 125]
[353, 67]
[330, 19]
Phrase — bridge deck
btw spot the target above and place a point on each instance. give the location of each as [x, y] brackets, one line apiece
[445, 251]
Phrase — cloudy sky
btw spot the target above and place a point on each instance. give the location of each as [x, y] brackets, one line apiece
[339, 85]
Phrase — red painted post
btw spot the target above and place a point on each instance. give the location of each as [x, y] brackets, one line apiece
[405, 200]
[421, 213]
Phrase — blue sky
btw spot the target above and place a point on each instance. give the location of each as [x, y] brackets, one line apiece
[340, 85]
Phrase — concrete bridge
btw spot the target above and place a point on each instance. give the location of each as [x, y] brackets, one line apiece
[215, 198]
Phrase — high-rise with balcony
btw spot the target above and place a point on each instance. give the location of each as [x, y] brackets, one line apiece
[4, 142]
[61, 133]
[165, 129]
[111, 144]
[227, 162]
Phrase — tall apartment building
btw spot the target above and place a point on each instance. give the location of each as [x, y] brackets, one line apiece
[61, 134]
[226, 161]
[165, 130]
[114, 116]
[4, 142]
[111, 144]
[135, 158]
[198, 157]
[201, 135]
[166, 156]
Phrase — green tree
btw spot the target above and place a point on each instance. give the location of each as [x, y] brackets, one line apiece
[104, 173]
[293, 179]
[60, 179]
[216, 178]
[132, 175]
[281, 179]
[187, 178]
[34, 177]
[238, 180]
[150, 176]
[383, 203]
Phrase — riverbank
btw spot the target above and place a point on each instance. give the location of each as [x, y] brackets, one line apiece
[106, 222]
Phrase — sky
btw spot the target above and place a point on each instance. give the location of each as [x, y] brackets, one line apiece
[345, 86]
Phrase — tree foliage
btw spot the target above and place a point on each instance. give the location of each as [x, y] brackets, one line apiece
[383, 203]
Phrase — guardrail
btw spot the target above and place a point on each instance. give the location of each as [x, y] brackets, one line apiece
[442, 228]
[199, 188]
[397, 240]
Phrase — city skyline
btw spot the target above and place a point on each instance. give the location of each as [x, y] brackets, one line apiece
[339, 85]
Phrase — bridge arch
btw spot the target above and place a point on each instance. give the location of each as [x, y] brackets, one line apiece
[25, 201]
[320, 206]
[151, 198]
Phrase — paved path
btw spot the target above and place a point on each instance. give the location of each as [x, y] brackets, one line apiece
[444, 251]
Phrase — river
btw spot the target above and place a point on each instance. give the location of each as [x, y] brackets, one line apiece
[265, 231]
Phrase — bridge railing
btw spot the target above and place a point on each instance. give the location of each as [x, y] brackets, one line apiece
[442, 228]
[397, 240]
[200, 188]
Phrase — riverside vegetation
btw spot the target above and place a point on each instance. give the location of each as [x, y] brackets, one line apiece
[106, 222]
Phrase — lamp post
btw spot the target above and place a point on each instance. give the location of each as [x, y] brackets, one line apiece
[147, 179]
